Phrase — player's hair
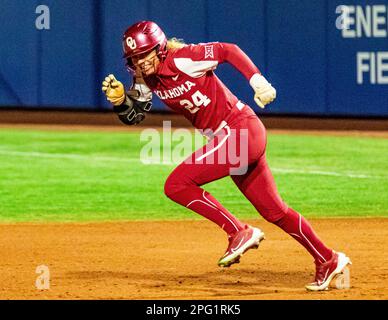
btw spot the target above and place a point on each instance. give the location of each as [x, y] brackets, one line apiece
[175, 43]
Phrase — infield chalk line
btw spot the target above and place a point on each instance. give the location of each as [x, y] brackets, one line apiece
[326, 173]
[71, 156]
[132, 160]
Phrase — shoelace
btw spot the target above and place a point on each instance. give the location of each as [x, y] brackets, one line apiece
[321, 268]
[232, 238]
[320, 272]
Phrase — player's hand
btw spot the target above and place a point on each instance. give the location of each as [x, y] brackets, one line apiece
[114, 90]
[264, 92]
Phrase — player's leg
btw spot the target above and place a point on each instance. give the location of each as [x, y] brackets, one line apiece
[259, 187]
[183, 184]
[184, 187]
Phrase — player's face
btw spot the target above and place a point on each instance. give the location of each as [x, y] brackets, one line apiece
[147, 62]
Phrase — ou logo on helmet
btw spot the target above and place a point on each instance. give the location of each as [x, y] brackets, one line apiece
[131, 43]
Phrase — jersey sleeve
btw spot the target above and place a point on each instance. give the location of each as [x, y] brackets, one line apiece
[196, 60]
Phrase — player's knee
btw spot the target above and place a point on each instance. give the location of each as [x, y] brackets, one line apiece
[168, 188]
[172, 186]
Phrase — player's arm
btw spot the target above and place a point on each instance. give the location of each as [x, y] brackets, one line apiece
[130, 106]
[231, 53]
[196, 60]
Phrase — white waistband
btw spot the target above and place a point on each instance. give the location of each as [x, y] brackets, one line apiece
[222, 124]
[240, 105]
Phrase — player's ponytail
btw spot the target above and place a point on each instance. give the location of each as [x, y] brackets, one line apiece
[175, 43]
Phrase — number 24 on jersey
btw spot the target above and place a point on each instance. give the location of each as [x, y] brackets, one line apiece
[198, 100]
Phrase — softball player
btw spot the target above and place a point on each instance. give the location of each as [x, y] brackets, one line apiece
[183, 77]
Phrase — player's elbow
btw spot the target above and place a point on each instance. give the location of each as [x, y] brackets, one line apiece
[230, 47]
[234, 46]
[230, 51]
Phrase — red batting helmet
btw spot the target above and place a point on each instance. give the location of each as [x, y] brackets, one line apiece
[141, 37]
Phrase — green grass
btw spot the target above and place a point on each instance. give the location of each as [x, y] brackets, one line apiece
[97, 176]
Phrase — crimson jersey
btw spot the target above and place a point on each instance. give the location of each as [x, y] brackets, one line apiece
[186, 83]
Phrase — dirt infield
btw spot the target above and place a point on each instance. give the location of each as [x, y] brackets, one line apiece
[58, 117]
[177, 260]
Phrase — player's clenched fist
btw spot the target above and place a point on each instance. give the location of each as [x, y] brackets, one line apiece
[114, 90]
[264, 92]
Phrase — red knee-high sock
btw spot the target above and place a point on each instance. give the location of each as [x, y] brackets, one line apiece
[203, 203]
[299, 228]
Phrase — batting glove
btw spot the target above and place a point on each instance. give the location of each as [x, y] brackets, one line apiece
[264, 92]
[144, 93]
[114, 90]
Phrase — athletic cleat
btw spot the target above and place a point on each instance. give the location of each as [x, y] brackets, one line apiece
[239, 243]
[325, 272]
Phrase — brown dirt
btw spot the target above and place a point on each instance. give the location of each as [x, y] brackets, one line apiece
[177, 260]
[17, 116]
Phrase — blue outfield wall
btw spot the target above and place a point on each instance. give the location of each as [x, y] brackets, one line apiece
[316, 67]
